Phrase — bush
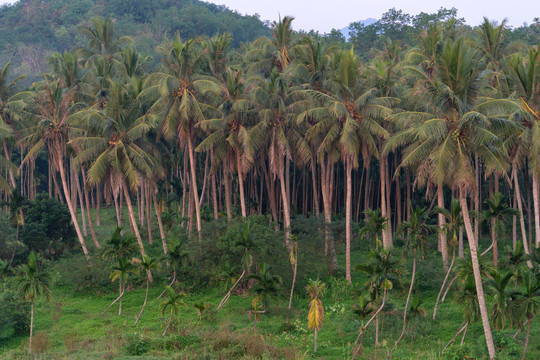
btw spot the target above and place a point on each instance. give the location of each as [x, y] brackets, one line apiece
[15, 315]
[136, 345]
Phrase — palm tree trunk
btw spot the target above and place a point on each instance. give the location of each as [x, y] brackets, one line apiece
[295, 267]
[383, 199]
[442, 235]
[98, 205]
[121, 292]
[520, 209]
[81, 201]
[315, 342]
[462, 328]
[348, 220]
[407, 302]
[31, 326]
[194, 187]
[363, 328]
[228, 295]
[144, 304]
[146, 195]
[168, 323]
[116, 205]
[315, 187]
[477, 275]
[527, 338]
[286, 211]
[444, 283]
[330, 251]
[241, 185]
[87, 201]
[228, 202]
[536, 209]
[160, 223]
[71, 209]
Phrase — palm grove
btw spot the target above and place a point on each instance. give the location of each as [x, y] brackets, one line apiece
[295, 126]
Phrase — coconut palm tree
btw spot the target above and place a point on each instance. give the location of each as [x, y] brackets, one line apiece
[32, 281]
[178, 92]
[374, 224]
[51, 106]
[418, 231]
[119, 246]
[174, 302]
[119, 151]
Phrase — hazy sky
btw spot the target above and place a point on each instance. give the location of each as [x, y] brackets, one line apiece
[325, 15]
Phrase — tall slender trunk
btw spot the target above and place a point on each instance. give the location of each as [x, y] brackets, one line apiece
[520, 209]
[70, 207]
[295, 267]
[444, 283]
[536, 209]
[286, 211]
[315, 188]
[348, 219]
[214, 189]
[81, 201]
[315, 342]
[98, 205]
[330, 250]
[160, 223]
[90, 222]
[31, 325]
[477, 275]
[383, 199]
[194, 187]
[146, 188]
[116, 205]
[241, 185]
[228, 202]
[135, 226]
[121, 292]
[527, 338]
[442, 236]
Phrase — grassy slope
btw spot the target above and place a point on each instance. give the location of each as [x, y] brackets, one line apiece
[71, 326]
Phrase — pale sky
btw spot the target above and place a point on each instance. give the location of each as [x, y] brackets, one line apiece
[324, 15]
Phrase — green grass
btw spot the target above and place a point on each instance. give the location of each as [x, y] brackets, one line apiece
[71, 325]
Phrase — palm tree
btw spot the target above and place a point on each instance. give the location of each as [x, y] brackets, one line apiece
[102, 39]
[497, 211]
[147, 264]
[119, 246]
[417, 239]
[374, 224]
[267, 284]
[177, 91]
[121, 272]
[119, 151]
[53, 106]
[247, 243]
[454, 132]
[315, 290]
[32, 282]
[383, 270]
[173, 301]
[497, 286]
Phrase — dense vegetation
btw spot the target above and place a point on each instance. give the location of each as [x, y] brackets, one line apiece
[366, 191]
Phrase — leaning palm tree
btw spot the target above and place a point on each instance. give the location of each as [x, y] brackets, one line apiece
[32, 281]
[147, 264]
[121, 272]
[173, 301]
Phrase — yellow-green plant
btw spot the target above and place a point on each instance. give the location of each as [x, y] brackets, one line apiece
[315, 290]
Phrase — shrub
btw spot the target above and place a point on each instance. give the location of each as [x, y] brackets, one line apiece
[136, 345]
[15, 315]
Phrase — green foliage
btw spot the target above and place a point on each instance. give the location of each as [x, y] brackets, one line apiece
[15, 315]
[48, 228]
[136, 344]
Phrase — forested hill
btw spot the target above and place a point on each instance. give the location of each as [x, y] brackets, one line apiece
[29, 29]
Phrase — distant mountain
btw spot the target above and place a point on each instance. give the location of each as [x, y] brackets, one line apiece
[366, 22]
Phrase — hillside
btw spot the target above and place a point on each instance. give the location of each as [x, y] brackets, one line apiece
[30, 29]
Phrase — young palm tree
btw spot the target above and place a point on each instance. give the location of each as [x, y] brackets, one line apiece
[119, 246]
[173, 301]
[32, 281]
[417, 239]
[374, 224]
[315, 290]
[121, 272]
[267, 284]
[147, 264]
[497, 286]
